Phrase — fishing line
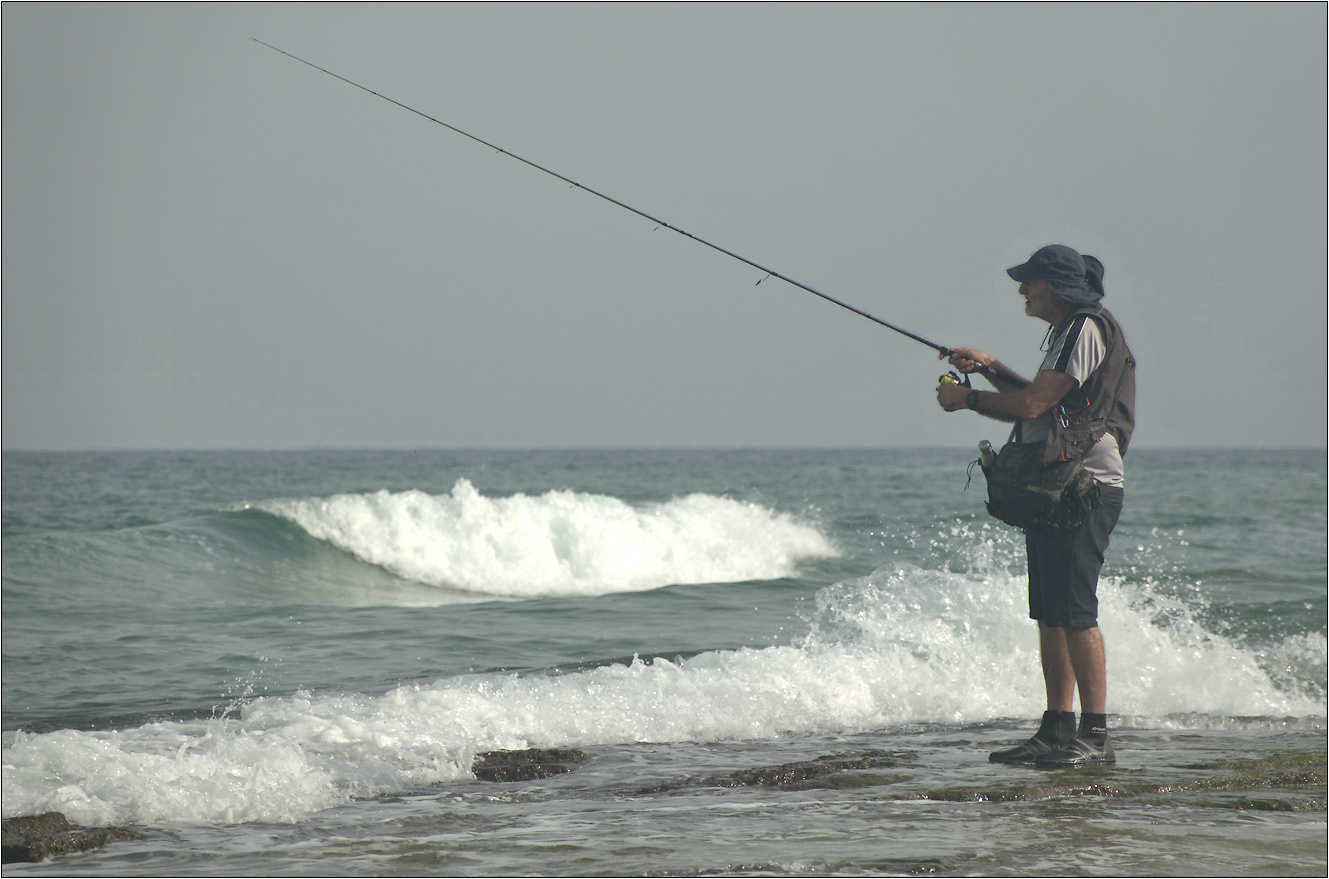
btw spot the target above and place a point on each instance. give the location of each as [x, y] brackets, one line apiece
[767, 272]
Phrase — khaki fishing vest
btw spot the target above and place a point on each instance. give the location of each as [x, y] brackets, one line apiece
[1109, 392]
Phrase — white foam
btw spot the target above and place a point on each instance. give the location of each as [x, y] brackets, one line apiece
[966, 642]
[561, 543]
[901, 646]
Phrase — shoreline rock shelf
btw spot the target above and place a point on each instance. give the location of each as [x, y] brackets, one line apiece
[31, 839]
[526, 765]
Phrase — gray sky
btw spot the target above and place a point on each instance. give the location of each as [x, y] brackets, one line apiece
[207, 244]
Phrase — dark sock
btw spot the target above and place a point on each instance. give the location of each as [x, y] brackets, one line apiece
[1093, 729]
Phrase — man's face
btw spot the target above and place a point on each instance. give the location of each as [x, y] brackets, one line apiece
[1039, 300]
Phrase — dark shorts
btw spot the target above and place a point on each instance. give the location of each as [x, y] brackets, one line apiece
[1063, 568]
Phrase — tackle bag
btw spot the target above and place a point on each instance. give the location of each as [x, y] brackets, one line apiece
[1026, 493]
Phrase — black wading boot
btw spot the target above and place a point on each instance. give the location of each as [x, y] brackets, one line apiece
[1090, 747]
[1055, 732]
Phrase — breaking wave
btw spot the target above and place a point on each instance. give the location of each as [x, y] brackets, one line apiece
[559, 544]
[901, 646]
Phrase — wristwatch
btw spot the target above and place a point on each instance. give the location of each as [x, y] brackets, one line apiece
[971, 400]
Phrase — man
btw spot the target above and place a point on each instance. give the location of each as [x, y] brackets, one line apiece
[1088, 364]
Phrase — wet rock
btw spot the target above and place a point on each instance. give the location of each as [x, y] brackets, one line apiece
[834, 771]
[1027, 793]
[526, 765]
[34, 838]
[1277, 783]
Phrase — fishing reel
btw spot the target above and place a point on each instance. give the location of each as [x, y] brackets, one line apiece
[953, 378]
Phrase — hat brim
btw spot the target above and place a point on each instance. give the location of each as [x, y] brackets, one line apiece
[1026, 271]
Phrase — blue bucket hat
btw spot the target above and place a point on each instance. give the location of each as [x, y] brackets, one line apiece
[1072, 277]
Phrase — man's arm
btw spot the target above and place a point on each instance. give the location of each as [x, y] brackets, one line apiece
[1001, 376]
[1025, 404]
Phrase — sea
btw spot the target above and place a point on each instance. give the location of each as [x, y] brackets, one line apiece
[750, 662]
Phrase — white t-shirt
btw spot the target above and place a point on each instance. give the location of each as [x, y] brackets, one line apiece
[1078, 352]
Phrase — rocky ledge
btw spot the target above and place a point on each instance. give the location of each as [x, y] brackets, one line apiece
[35, 838]
[526, 765]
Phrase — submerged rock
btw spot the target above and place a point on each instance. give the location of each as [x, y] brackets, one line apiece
[37, 837]
[526, 765]
[834, 771]
[1279, 782]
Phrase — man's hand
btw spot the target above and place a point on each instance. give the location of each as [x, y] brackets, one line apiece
[967, 360]
[1026, 404]
[951, 396]
[970, 360]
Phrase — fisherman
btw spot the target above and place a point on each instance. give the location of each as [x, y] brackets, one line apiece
[1087, 363]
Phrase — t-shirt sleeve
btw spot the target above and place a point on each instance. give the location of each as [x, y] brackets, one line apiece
[1079, 350]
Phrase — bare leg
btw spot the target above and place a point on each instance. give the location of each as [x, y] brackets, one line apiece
[1058, 672]
[1089, 662]
[1074, 658]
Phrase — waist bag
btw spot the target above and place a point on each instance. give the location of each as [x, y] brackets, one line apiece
[1026, 493]
[1044, 486]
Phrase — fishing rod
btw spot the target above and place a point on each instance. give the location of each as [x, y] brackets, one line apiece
[769, 273]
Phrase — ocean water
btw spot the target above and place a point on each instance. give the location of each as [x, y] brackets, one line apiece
[775, 663]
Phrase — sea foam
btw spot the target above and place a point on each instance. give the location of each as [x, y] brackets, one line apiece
[561, 543]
